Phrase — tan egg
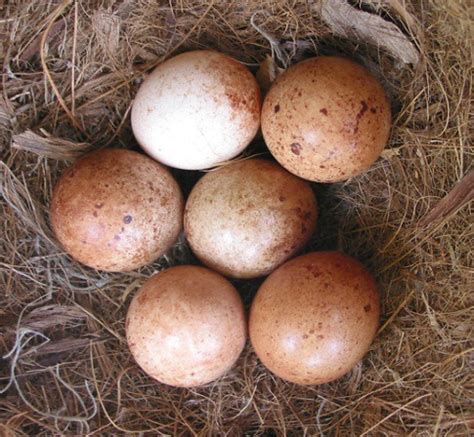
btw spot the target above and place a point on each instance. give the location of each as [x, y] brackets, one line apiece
[116, 210]
[197, 110]
[326, 119]
[186, 326]
[247, 218]
[315, 317]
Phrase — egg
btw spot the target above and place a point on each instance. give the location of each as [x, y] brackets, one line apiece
[248, 217]
[315, 317]
[116, 210]
[326, 119]
[186, 326]
[197, 110]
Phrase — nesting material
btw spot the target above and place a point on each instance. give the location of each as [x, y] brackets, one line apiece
[73, 374]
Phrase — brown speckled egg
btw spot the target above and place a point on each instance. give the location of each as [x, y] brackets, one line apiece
[196, 110]
[247, 218]
[326, 119]
[116, 210]
[186, 326]
[315, 317]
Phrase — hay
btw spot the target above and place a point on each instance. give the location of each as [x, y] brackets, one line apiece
[66, 368]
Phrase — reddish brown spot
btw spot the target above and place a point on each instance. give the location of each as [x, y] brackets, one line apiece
[303, 229]
[150, 199]
[299, 93]
[322, 166]
[282, 198]
[363, 109]
[95, 214]
[235, 101]
[320, 324]
[367, 308]
[373, 110]
[127, 219]
[320, 337]
[295, 148]
[276, 108]
[313, 270]
[99, 205]
[312, 331]
[324, 111]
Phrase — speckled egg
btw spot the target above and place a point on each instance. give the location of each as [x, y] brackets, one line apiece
[315, 317]
[116, 210]
[197, 110]
[247, 218]
[326, 119]
[186, 326]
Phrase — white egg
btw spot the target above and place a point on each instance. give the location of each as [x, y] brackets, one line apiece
[197, 110]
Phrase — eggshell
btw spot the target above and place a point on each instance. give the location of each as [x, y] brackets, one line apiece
[186, 326]
[196, 110]
[116, 210]
[326, 119]
[315, 317]
[247, 218]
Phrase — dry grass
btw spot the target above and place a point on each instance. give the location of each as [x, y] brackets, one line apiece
[66, 368]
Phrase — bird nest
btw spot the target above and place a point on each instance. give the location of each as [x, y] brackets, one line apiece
[70, 71]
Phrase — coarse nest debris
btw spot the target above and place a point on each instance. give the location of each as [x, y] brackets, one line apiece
[69, 72]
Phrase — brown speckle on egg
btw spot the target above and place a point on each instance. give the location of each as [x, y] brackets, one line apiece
[340, 132]
[87, 212]
[291, 303]
[260, 215]
[219, 110]
[186, 326]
